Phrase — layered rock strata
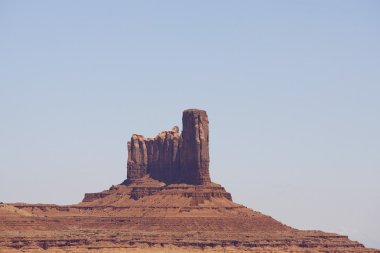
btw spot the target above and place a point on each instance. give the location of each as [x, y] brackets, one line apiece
[167, 204]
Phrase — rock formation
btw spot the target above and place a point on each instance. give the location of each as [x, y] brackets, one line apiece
[171, 157]
[194, 154]
[157, 157]
[137, 157]
[167, 204]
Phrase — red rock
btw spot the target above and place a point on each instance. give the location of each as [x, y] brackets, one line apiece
[171, 157]
[194, 148]
[137, 157]
[167, 204]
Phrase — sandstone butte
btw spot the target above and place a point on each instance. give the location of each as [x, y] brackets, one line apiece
[168, 203]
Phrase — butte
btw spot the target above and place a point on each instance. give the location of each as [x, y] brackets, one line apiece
[168, 203]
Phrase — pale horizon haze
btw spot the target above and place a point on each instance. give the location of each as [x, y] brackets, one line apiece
[291, 88]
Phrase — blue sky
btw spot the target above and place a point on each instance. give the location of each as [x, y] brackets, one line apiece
[291, 88]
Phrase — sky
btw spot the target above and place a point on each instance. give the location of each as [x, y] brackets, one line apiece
[291, 89]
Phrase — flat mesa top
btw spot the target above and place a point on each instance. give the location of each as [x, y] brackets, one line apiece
[194, 110]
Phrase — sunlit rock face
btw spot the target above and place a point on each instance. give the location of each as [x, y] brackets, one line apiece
[172, 157]
[166, 204]
[194, 151]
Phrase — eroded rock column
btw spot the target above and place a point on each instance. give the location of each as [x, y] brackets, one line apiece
[194, 147]
[163, 156]
[137, 158]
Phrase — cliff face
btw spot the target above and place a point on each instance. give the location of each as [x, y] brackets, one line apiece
[172, 157]
[194, 155]
[137, 157]
[163, 156]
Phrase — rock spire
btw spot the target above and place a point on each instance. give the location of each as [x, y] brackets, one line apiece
[172, 157]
